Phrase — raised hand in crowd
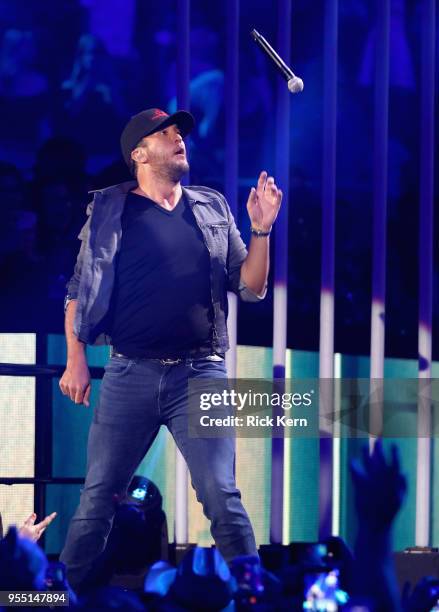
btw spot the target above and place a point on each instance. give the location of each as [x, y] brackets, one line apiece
[33, 531]
[379, 488]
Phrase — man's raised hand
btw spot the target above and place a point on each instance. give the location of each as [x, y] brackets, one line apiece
[264, 202]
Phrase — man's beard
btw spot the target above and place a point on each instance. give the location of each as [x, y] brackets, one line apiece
[172, 170]
[177, 169]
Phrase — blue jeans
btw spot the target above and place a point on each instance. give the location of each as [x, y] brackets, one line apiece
[136, 398]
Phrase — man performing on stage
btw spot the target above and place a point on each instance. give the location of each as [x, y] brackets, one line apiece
[152, 275]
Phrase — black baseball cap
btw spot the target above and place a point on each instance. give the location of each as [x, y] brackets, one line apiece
[149, 121]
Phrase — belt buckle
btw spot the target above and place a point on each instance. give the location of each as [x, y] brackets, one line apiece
[214, 357]
[170, 361]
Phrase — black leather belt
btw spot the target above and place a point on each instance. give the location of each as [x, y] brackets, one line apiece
[171, 360]
[164, 361]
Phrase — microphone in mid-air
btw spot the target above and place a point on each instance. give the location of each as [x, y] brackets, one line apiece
[294, 83]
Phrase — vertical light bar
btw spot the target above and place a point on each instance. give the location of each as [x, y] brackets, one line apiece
[379, 212]
[423, 470]
[328, 190]
[231, 170]
[326, 365]
[287, 473]
[183, 53]
[183, 62]
[282, 163]
[336, 450]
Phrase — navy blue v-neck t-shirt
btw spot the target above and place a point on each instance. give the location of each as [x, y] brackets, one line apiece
[161, 303]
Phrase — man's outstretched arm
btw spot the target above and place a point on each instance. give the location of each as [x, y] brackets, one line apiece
[75, 382]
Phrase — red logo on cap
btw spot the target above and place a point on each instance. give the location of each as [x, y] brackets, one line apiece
[158, 114]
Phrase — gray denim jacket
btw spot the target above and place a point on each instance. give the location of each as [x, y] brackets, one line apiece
[93, 278]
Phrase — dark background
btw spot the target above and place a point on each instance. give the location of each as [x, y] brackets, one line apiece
[71, 74]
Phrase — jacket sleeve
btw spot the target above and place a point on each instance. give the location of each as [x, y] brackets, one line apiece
[73, 284]
[236, 255]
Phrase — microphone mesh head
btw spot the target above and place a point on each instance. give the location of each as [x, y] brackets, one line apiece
[295, 85]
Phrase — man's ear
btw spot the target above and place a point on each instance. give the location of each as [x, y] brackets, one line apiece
[139, 155]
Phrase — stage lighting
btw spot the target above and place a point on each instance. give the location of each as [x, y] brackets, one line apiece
[144, 493]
